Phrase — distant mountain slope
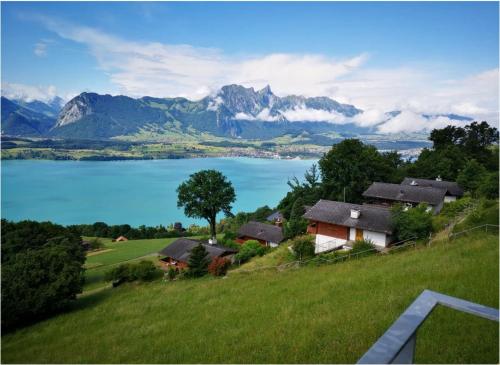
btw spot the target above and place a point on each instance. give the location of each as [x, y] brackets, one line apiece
[234, 111]
[20, 121]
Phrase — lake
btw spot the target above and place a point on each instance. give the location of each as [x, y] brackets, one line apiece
[132, 192]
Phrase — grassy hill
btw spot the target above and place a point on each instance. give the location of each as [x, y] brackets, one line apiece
[324, 314]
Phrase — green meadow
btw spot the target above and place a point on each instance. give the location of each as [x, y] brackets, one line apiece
[323, 314]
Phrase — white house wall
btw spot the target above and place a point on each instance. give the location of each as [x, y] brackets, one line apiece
[326, 243]
[379, 239]
[352, 234]
[449, 198]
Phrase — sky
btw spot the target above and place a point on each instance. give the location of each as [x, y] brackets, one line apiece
[417, 57]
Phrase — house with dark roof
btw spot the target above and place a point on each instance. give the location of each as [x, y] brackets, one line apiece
[386, 194]
[335, 224]
[178, 252]
[275, 218]
[266, 234]
[453, 190]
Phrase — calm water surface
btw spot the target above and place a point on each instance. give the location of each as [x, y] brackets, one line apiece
[132, 192]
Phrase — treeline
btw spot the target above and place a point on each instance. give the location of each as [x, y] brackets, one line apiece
[101, 229]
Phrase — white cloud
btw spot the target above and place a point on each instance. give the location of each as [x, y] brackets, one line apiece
[40, 49]
[28, 92]
[158, 69]
[314, 115]
[408, 121]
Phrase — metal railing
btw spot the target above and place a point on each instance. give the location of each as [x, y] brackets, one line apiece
[483, 226]
[397, 344]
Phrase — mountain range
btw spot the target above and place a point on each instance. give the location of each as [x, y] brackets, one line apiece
[234, 111]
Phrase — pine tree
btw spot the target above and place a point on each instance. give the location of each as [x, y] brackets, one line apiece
[198, 261]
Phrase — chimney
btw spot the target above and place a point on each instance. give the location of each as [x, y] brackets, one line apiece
[439, 178]
[414, 183]
[355, 213]
[212, 241]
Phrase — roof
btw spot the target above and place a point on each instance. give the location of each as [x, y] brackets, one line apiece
[181, 248]
[261, 231]
[372, 218]
[275, 216]
[405, 193]
[452, 187]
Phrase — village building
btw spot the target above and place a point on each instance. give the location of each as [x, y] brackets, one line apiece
[266, 234]
[178, 252]
[121, 239]
[453, 190]
[386, 194]
[275, 218]
[335, 224]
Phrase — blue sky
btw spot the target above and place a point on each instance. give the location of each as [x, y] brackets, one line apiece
[376, 55]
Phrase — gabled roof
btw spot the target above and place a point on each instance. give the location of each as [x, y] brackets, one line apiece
[405, 193]
[275, 216]
[181, 248]
[451, 186]
[372, 218]
[261, 231]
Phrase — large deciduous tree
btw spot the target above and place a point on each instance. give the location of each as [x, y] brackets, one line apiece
[205, 194]
[350, 167]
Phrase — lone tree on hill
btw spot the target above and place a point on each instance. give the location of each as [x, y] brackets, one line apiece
[205, 194]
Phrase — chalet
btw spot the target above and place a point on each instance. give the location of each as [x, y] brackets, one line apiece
[121, 239]
[453, 190]
[177, 253]
[266, 234]
[385, 194]
[275, 218]
[334, 224]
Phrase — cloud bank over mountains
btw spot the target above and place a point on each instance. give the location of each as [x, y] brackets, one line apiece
[139, 68]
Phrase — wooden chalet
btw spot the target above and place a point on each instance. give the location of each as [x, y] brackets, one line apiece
[453, 190]
[178, 252]
[386, 194]
[335, 224]
[266, 234]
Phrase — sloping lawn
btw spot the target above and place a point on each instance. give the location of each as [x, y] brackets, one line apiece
[325, 314]
[98, 264]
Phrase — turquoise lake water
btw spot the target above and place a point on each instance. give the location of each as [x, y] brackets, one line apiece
[132, 192]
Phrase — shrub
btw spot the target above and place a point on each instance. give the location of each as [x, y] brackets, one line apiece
[198, 262]
[219, 266]
[248, 250]
[96, 243]
[366, 246]
[412, 223]
[303, 247]
[172, 273]
[142, 271]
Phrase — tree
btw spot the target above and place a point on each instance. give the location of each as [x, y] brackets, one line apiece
[296, 224]
[303, 247]
[411, 223]
[350, 167]
[42, 270]
[445, 162]
[198, 261]
[205, 194]
[471, 177]
[489, 186]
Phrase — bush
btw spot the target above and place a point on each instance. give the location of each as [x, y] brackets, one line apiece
[96, 243]
[172, 273]
[219, 266]
[412, 223]
[248, 250]
[366, 246]
[142, 271]
[42, 270]
[303, 247]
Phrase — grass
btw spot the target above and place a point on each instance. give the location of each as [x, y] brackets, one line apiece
[324, 314]
[97, 264]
